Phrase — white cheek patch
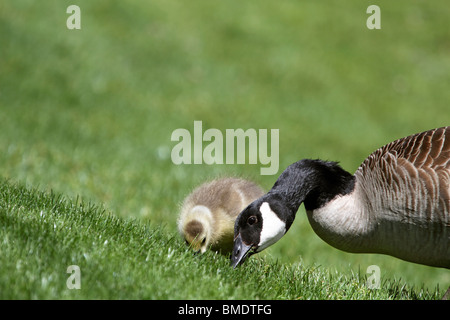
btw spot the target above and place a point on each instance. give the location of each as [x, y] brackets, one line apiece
[272, 229]
[202, 210]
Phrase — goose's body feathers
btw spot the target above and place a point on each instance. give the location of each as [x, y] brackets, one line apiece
[399, 205]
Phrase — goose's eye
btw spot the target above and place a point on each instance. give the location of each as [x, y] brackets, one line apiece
[252, 220]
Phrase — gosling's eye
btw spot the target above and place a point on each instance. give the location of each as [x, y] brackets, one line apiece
[252, 220]
[203, 241]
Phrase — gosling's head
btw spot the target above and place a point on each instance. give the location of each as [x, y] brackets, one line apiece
[196, 228]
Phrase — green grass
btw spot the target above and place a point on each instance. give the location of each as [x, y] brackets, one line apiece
[89, 114]
[44, 233]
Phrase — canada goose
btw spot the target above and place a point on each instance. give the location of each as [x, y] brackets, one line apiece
[208, 214]
[397, 203]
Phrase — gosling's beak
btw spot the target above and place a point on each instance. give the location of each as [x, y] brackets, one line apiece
[240, 252]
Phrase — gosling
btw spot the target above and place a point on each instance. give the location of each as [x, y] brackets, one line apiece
[208, 214]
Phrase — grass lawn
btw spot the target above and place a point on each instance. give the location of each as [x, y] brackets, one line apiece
[43, 234]
[86, 118]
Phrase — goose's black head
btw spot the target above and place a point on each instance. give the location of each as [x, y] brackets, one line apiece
[259, 226]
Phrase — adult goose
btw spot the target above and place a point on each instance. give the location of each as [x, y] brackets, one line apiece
[397, 203]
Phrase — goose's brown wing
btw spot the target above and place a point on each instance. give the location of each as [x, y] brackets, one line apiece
[411, 176]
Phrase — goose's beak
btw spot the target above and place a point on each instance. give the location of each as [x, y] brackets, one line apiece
[240, 251]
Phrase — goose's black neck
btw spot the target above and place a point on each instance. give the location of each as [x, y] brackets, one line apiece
[313, 182]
